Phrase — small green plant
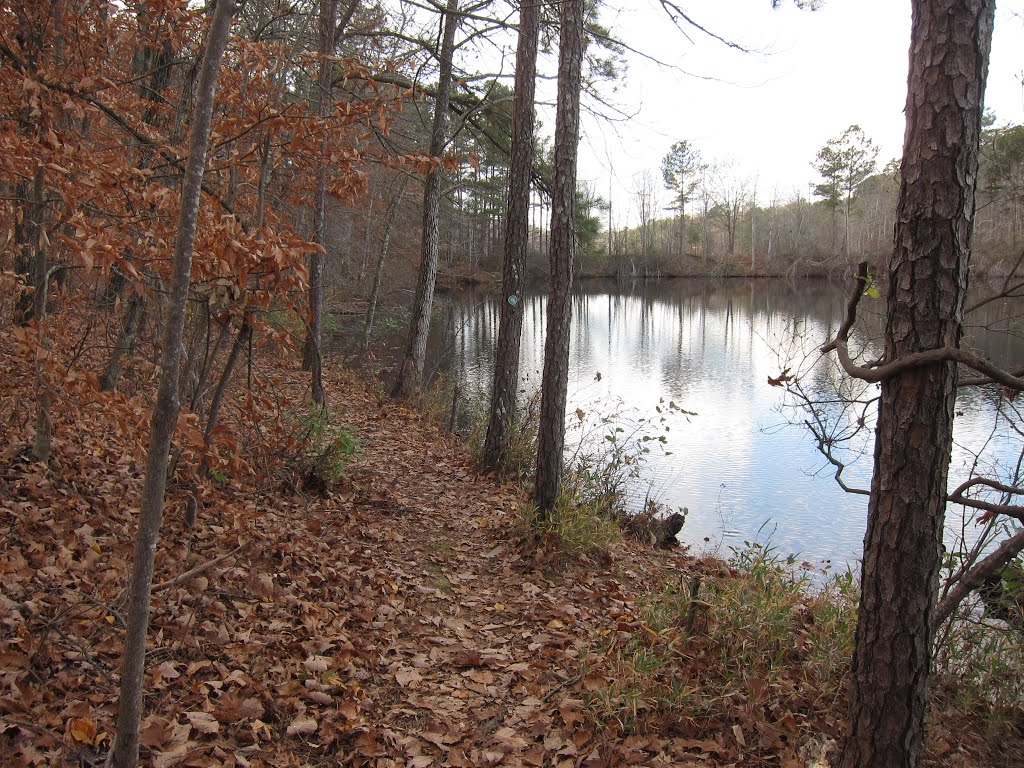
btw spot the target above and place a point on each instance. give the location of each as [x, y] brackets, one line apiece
[324, 450]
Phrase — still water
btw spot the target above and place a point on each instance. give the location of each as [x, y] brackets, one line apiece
[739, 465]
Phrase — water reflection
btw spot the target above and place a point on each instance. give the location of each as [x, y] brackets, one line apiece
[711, 347]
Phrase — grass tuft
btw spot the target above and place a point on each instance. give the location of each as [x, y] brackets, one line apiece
[760, 644]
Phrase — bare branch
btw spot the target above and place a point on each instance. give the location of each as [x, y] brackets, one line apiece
[1005, 291]
[825, 449]
[977, 576]
[1009, 510]
[876, 373]
[198, 570]
[677, 14]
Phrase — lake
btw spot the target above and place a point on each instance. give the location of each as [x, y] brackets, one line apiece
[742, 470]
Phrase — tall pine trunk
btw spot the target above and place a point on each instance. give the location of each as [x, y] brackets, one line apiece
[950, 42]
[411, 374]
[551, 435]
[125, 750]
[510, 328]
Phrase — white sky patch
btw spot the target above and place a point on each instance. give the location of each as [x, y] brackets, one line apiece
[813, 74]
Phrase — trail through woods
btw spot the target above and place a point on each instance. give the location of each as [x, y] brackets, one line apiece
[400, 621]
[396, 622]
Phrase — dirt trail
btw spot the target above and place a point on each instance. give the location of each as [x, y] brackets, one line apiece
[484, 645]
[396, 622]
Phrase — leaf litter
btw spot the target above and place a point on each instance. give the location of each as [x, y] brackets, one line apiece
[399, 622]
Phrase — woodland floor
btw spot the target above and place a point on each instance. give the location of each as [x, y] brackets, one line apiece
[398, 621]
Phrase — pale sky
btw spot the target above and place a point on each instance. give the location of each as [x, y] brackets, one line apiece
[815, 74]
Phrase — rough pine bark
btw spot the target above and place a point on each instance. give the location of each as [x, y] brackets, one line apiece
[551, 435]
[411, 374]
[510, 328]
[950, 42]
[125, 749]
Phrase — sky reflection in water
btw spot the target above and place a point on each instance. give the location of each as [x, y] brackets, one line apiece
[710, 347]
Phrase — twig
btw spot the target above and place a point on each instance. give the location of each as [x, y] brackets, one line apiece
[40, 729]
[1010, 510]
[691, 611]
[564, 684]
[201, 568]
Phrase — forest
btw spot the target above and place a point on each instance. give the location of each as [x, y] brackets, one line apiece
[228, 539]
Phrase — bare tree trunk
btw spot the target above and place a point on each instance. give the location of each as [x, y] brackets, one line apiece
[125, 749]
[266, 155]
[551, 437]
[24, 255]
[312, 360]
[134, 312]
[199, 389]
[365, 260]
[41, 282]
[411, 374]
[371, 307]
[242, 341]
[950, 43]
[510, 328]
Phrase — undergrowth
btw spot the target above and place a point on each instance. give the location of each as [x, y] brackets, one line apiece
[757, 647]
[602, 474]
[979, 666]
[321, 450]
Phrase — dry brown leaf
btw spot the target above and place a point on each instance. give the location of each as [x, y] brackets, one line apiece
[407, 677]
[173, 756]
[155, 732]
[317, 665]
[302, 725]
[738, 733]
[82, 730]
[203, 722]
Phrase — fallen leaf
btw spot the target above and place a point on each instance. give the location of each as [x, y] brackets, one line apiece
[155, 732]
[82, 730]
[203, 722]
[595, 682]
[738, 733]
[406, 676]
[317, 665]
[172, 757]
[302, 725]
